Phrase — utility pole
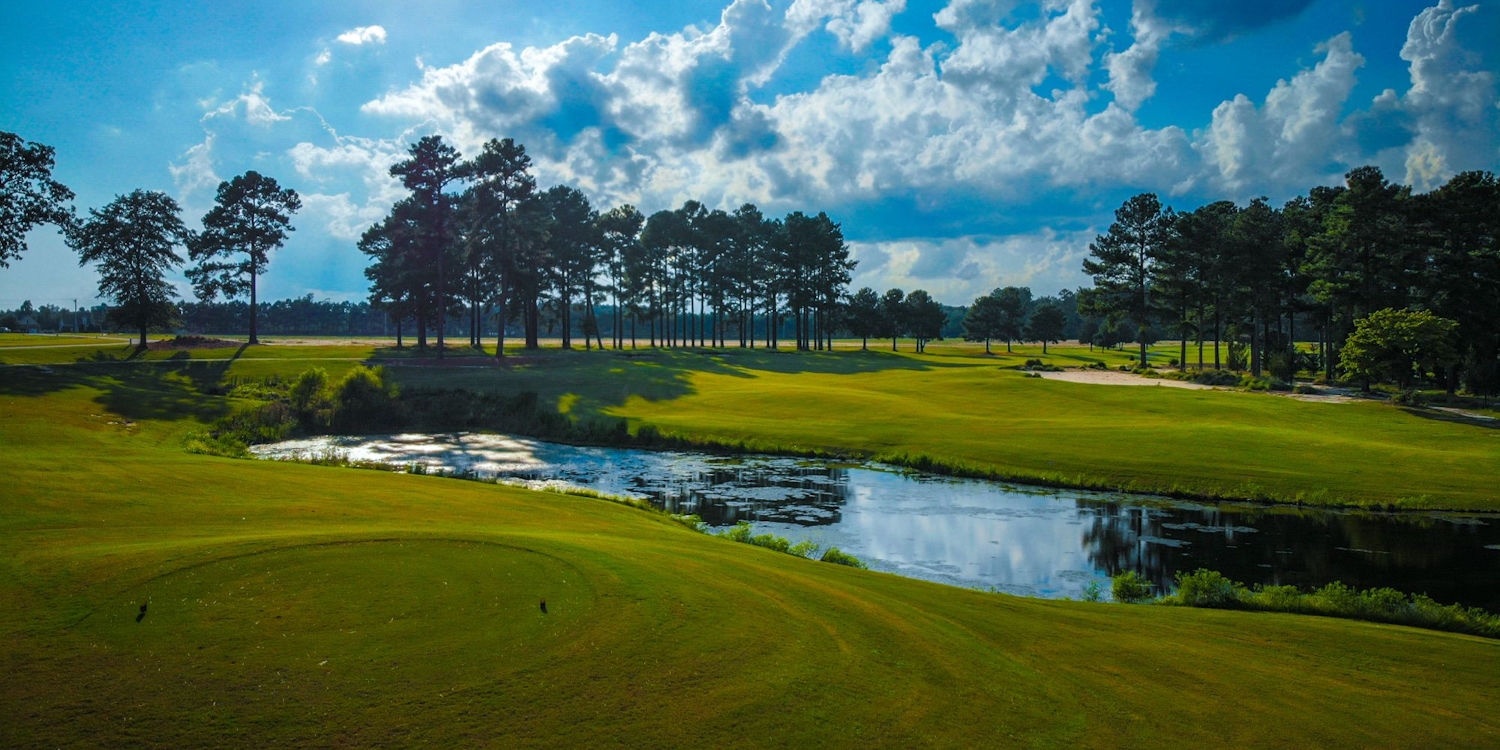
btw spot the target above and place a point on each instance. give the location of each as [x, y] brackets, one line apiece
[75, 316]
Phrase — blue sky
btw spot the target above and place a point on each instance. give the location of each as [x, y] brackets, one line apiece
[963, 145]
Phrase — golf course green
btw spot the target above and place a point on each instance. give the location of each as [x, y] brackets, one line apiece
[153, 597]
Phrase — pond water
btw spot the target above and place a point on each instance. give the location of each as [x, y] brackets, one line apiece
[1013, 538]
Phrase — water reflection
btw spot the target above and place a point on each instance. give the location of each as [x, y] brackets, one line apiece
[974, 533]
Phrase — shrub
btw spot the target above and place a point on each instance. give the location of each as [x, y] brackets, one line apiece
[1408, 397]
[1304, 389]
[308, 396]
[838, 557]
[361, 400]
[1093, 592]
[1216, 377]
[1207, 588]
[1129, 587]
[805, 548]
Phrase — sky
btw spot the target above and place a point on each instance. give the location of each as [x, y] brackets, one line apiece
[962, 145]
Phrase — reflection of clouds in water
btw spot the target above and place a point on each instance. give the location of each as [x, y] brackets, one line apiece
[1024, 540]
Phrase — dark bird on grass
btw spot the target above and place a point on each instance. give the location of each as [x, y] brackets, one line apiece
[544, 606]
[142, 615]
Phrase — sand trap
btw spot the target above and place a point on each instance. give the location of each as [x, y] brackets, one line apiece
[1115, 377]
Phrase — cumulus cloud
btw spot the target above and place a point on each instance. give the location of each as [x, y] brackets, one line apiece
[195, 171]
[1452, 106]
[956, 270]
[363, 35]
[1295, 137]
[856, 23]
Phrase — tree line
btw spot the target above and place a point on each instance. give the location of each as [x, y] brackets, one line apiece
[477, 238]
[1327, 259]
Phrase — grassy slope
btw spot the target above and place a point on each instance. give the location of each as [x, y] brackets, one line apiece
[308, 605]
[960, 406]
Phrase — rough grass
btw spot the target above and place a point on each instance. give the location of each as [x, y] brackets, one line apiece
[319, 606]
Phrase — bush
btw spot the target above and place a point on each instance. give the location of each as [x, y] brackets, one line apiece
[1304, 389]
[309, 398]
[1265, 383]
[1408, 397]
[1093, 592]
[838, 557]
[361, 400]
[1129, 587]
[1207, 588]
[1216, 377]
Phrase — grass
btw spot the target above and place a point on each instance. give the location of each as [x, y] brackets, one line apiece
[306, 605]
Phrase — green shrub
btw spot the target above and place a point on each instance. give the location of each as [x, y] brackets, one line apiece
[805, 548]
[1093, 592]
[1408, 397]
[838, 557]
[1207, 588]
[1216, 377]
[309, 398]
[361, 400]
[1129, 587]
[1304, 389]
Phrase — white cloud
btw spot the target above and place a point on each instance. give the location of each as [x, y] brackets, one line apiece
[323, 57]
[196, 169]
[1294, 139]
[363, 35]
[856, 23]
[342, 218]
[956, 270]
[1452, 104]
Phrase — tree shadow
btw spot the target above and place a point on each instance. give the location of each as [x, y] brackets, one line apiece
[130, 386]
[1438, 415]
[588, 384]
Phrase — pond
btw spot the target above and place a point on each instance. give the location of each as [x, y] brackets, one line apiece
[1014, 538]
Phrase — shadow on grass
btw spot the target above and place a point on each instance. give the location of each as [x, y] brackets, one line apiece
[1452, 417]
[131, 387]
[586, 384]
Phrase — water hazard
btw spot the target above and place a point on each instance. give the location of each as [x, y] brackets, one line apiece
[1017, 539]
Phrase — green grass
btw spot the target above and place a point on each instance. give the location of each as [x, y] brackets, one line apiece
[316, 606]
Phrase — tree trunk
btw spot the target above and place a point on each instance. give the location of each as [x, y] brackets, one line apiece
[398, 335]
[253, 338]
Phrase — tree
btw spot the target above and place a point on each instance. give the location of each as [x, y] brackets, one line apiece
[862, 316]
[924, 318]
[1122, 260]
[1047, 324]
[251, 216]
[1015, 306]
[572, 251]
[982, 320]
[506, 223]
[1398, 345]
[893, 321]
[429, 168]
[132, 240]
[29, 197]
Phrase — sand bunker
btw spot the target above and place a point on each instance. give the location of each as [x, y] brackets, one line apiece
[1114, 377]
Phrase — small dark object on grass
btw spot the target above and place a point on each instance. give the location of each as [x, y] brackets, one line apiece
[544, 606]
[142, 615]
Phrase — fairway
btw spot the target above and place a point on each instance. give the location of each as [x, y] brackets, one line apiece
[292, 604]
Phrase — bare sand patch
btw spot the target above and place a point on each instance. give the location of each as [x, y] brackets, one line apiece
[1114, 377]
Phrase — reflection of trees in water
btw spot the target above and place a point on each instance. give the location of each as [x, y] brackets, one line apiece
[723, 496]
[1416, 554]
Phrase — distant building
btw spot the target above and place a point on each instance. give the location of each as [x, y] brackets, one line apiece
[27, 324]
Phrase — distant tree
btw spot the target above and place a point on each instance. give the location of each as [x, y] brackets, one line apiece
[1046, 324]
[251, 217]
[1015, 307]
[132, 240]
[893, 320]
[1461, 222]
[572, 251]
[29, 197]
[1398, 346]
[924, 318]
[431, 165]
[1121, 262]
[982, 320]
[862, 316]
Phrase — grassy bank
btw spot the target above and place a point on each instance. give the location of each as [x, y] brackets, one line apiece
[306, 605]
